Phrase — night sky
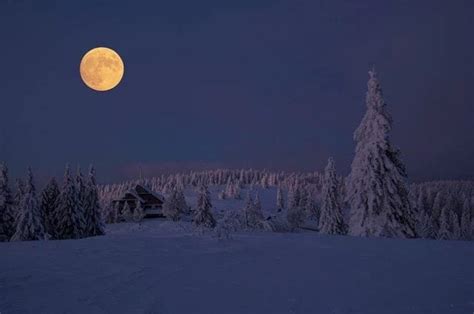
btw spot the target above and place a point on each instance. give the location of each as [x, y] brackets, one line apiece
[248, 83]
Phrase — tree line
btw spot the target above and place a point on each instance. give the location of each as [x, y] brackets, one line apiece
[69, 211]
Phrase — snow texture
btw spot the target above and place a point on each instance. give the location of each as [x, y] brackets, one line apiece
[160, 266]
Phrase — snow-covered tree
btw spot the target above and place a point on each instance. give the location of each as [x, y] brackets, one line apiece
[70, 218]
[293, 196]
[170, 207]
[139, 212]
[257, 204]
[7, 208]
[295, 216]
[203, 215]
[248, 207]
[113, 213]
[19, 192]
[29, 222]
[426, 226]
[455, 228]
[49, 199]
[252, 212]
[312, 211]
[303, 197]
[81, 199]
[181, 201]
[466, 220]
[437, 207]
[295, 213]
[444, 232]
[377, 190]
[280, 202]
[127, 214]
[331, 220]
[94, 225]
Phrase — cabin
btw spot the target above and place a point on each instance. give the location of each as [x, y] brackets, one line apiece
[151, 202]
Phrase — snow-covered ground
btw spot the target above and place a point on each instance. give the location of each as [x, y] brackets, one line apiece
[163, 267]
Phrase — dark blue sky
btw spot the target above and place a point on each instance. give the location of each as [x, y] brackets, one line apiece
[276, 84]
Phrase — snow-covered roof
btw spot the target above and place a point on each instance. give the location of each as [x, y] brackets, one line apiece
[143, 194]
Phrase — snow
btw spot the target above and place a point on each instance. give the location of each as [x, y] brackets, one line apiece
[160, 266]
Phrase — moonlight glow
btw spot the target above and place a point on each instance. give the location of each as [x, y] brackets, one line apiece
[101, 69]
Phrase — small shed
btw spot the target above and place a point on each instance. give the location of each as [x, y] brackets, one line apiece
[150, 201]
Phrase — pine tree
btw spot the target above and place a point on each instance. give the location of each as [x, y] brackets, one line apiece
[94, 225]
[444, 232]
[312, 210]
[295, 216]
[249, 204]
[236, 191]
[7, 208]
[466, 220]
[70, 219]
[426, 228]
[253, 212]
[19, 192]
[49, 199]
[437, 207]
[29, 223]
[81, 200]
[303, 197]
[127, 214]
[257, 204]
[293, 196]
[377, 190]
[112, 212]
[139, 212]
[331, 220]
[455, 228]
[203, 215]
[420, 202]
[228, 190]
[280, 203]
[181, 201]
[171, 208]
[115, 214]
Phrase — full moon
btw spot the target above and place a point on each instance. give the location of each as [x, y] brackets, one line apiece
[101, 69]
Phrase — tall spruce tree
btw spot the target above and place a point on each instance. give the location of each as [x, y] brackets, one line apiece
[377, 190]
[49, 199]
[29, 222]
[203, 215]
[94, 225]
[7, 208]
[70, 218]
[331, 220]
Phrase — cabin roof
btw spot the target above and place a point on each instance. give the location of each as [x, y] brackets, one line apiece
[142, 194]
